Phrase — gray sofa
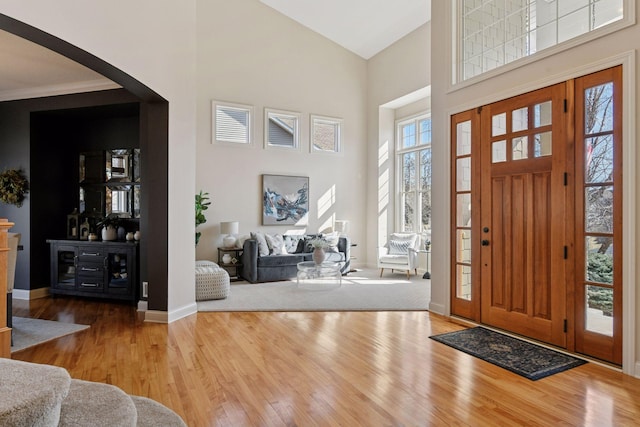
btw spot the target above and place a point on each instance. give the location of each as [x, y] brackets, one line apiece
[270, 268]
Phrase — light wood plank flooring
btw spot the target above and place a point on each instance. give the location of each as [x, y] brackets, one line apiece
[319, 369]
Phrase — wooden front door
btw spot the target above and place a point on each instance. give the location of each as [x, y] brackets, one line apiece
[524, 207]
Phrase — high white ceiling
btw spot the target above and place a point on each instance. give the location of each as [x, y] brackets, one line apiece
[29, 70]
[365, 27]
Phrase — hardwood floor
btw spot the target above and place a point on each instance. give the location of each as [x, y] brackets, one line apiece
[319, 369]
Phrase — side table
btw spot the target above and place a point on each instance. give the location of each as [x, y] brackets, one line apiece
[233, 265]
[427, 274]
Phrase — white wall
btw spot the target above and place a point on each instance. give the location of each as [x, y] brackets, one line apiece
[153, 41]
[399, 70]
[580, 60]
[250, 54]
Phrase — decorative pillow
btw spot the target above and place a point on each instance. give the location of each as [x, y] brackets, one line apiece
[332, 239]
[275, 243]
[263, 248]
[399, 247]
[291, 242]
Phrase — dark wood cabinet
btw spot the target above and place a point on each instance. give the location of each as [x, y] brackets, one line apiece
[95, 269]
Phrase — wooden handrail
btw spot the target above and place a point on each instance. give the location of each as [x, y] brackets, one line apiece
[5, 332]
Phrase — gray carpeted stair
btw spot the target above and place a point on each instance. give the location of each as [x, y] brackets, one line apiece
[43, 395]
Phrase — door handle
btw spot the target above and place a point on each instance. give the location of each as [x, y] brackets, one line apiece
[485, 243]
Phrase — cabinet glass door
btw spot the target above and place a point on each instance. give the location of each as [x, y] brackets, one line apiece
[118, 271]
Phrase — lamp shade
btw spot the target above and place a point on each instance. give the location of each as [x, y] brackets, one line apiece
[230, 227]
[341, 226]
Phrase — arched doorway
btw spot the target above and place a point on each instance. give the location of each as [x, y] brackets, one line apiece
[154, 117]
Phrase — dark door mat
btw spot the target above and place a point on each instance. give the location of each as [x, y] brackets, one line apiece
[523, 358]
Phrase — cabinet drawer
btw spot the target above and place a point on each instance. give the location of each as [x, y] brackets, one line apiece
[90, 269]
[90, 283]
[90, 254]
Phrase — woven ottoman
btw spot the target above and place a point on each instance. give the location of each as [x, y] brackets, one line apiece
[212, 282]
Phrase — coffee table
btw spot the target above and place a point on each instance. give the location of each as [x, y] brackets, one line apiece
[312, 275]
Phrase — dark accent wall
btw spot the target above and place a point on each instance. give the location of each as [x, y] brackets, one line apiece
[44, 137]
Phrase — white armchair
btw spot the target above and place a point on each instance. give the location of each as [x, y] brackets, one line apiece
[399, 253]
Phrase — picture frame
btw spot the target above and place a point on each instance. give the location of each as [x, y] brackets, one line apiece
[285, 200]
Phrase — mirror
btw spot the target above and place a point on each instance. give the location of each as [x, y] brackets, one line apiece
[118, 201]
[119, 165]
[281, 129]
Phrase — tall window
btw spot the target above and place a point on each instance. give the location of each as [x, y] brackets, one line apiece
[493, 33]
[414, 166]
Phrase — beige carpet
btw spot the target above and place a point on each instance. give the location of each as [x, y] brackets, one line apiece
[29, 332]
[363, 290]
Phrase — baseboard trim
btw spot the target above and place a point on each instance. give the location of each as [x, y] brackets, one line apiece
[437, 308]
[156, 316]
[29, 294]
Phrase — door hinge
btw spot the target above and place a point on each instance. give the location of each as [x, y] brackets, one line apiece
[566, 179]
[566, 252]
[565, 325]
[565, 105]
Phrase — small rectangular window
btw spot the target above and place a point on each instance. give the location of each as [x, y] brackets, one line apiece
[281, 129]
[326, 134]
[231, 122]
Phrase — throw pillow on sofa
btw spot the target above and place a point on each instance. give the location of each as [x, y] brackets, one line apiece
[332, 240]
[263, 248]
[276, 244]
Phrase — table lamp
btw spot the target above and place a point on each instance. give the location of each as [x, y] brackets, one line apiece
[341, 226]
[229, 228]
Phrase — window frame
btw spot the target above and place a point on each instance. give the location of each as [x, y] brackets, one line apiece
[400, 152]
[628, 19]
[315, 119]
[247, 109]
[272, 112]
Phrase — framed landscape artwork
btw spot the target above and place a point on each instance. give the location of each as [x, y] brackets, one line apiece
[285, 200]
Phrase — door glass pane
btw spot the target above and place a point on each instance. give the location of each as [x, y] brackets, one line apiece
[599, 159]
[463, 282]
[519, 147]
[463, 246]
[519, 119]
[542, 144]
[463, 174]
[118, 270]
[499, 124]
[542, 114]
[463, 210]
[463, 138]
[599, 312]
[598, 109]
[409, 209]
[599, 259]
[599, 209]
[499, 151]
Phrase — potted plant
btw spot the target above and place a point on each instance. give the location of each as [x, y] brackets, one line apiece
[109, 225]
[202, 204]
[13, 187]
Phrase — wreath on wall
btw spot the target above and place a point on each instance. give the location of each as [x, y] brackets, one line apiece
[13, 187]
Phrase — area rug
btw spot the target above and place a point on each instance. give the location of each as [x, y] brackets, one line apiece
[29, 332]
[523, 358]
[359, 291]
